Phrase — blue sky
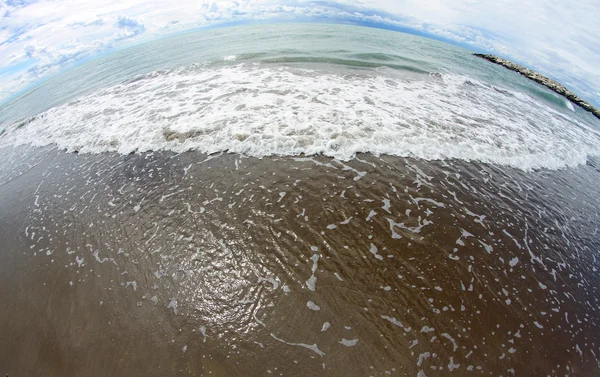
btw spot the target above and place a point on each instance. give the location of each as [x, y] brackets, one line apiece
[39, 38]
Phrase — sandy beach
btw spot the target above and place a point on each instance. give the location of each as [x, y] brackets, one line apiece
[224, 265]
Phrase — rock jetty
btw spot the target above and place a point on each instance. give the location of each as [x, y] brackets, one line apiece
[543, 80]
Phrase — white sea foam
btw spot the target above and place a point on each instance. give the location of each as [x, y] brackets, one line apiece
[569, 105]
[262, 110]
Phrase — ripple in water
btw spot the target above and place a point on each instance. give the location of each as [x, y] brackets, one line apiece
[229, 265]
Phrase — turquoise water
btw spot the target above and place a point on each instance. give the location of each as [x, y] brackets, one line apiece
[390, 206]
[431, 100]
[349, 46]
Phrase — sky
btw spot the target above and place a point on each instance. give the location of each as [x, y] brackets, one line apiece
[558, 38]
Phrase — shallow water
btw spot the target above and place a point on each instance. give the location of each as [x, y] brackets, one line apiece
[389, 205]
[188, 264]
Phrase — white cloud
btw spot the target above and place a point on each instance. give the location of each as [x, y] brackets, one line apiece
[557, 38]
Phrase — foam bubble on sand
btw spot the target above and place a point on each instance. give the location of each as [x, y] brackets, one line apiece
[203, 332]
[312, 306]
[258, 110]
[373, 250]
[312, 281]
[349, 343]
[393, 320]
[312, 347]
[173, 305]
[451, 365]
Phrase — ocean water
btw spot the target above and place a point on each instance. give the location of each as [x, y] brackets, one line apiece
[299, 89]
[298, 200]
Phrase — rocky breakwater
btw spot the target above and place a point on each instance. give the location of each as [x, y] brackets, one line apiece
[543, 80]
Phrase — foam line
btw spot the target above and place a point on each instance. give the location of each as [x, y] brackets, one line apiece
[260, 110]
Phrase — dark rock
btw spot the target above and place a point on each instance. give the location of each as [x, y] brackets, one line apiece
[543, 80]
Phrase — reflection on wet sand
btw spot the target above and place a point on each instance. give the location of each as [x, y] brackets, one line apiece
[187, 264]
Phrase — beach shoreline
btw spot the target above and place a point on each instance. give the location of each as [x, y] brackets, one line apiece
[542, 80]
[231, 265]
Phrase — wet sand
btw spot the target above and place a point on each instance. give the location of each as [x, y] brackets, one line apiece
[167, 264]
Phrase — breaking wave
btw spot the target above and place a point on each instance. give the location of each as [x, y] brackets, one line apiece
[261, 109]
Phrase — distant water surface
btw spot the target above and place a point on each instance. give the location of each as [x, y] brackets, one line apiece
[298, 200]
[304, 89]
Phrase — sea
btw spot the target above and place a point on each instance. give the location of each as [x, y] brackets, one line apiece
[298, 199]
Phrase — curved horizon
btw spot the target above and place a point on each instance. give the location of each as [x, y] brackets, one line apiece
[43, 39]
